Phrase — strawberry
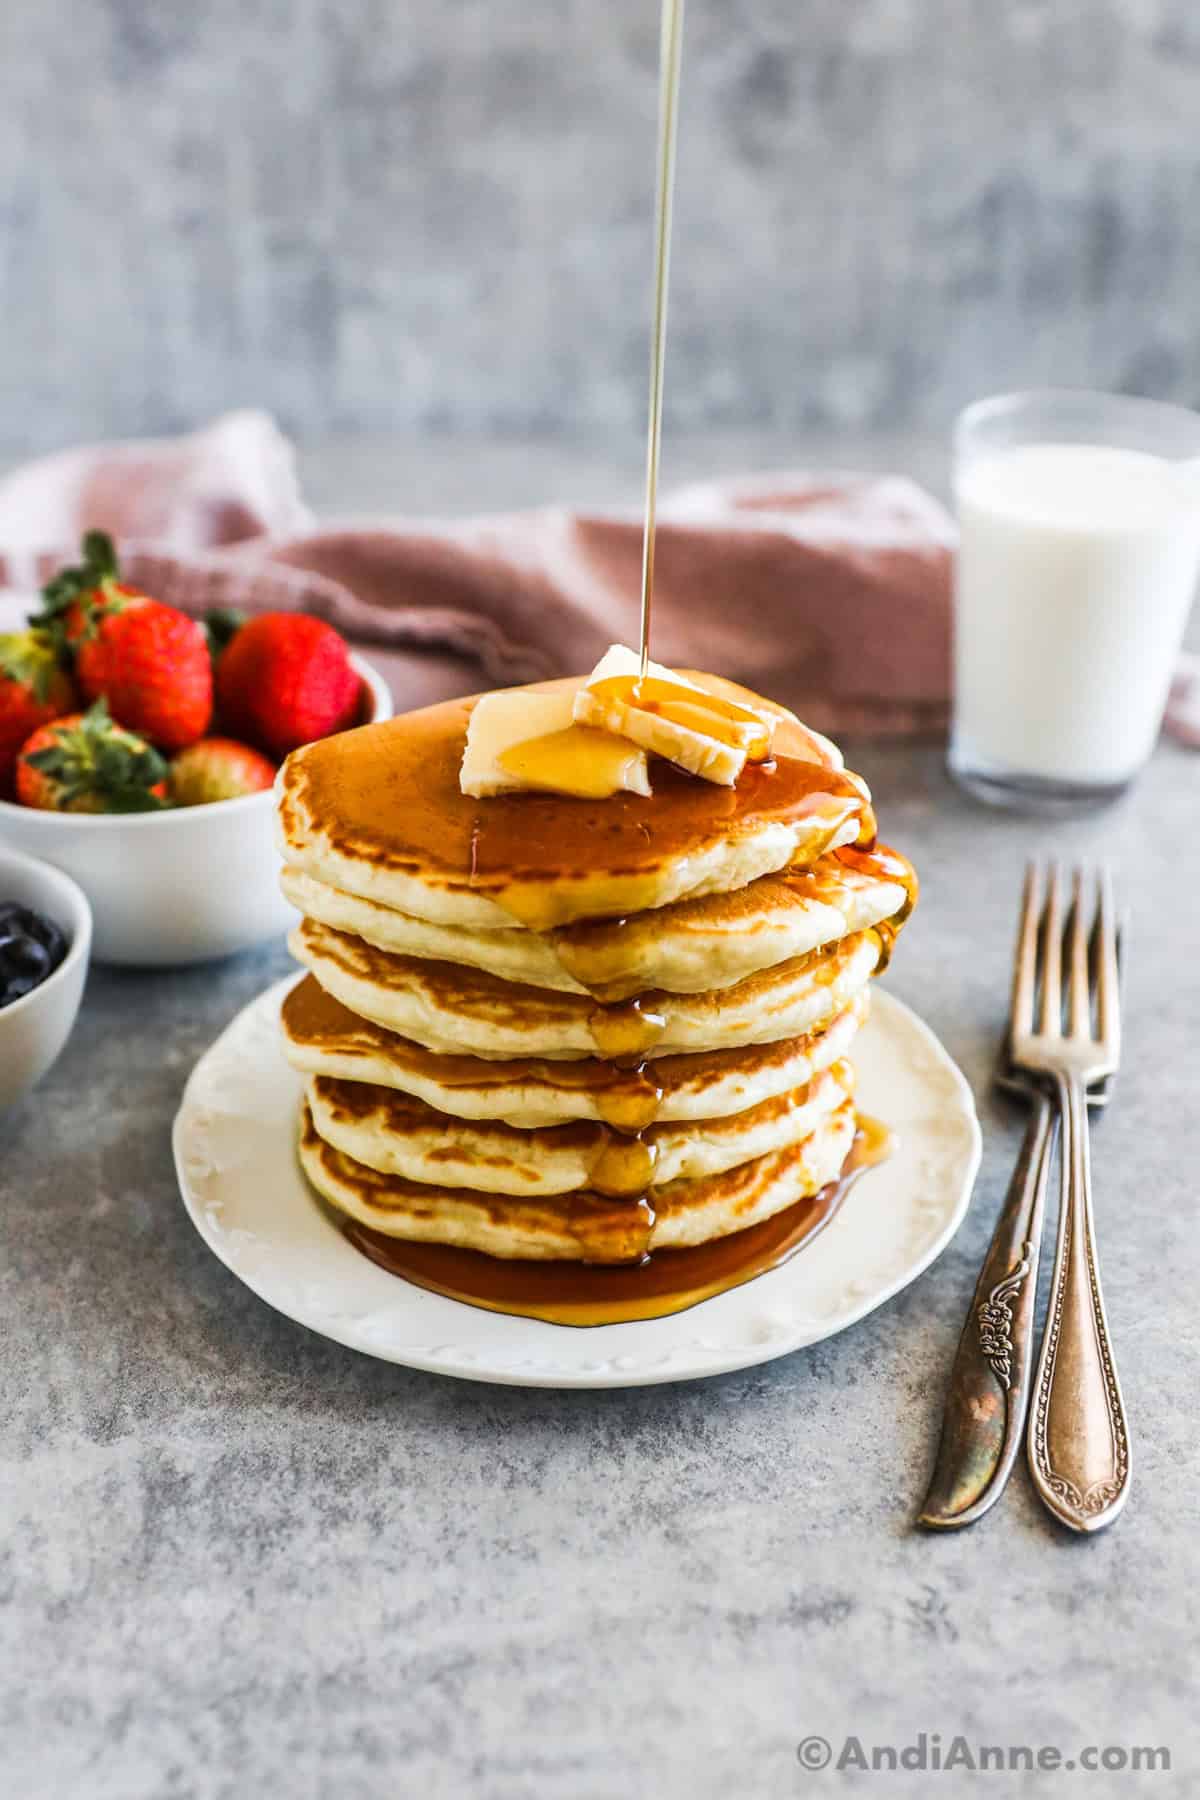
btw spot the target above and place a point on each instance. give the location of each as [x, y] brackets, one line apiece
[70, 598]
[218, 769]
[285, 679]
[148, 660]
[85, 763]
[34, 689]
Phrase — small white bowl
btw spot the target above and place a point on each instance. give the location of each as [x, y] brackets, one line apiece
[182, 886]
[34, 1029]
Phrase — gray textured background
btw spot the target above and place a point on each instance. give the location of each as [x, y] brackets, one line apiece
[379, 217]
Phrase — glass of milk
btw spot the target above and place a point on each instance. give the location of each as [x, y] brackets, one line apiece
[1080, 548]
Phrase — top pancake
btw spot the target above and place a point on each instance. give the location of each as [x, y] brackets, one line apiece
[378, 812]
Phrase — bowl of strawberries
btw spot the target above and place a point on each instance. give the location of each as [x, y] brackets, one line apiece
[138, 750]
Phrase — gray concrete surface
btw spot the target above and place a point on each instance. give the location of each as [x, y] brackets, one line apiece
[238, 1560]
[380, 215]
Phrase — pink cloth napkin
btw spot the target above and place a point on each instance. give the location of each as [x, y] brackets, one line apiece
[829, 592]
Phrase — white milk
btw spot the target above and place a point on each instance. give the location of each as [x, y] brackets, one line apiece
[1075, 575]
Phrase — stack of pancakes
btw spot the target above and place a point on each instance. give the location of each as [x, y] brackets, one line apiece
[554, 1028]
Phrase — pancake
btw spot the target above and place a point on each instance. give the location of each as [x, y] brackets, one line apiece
[449, 1008]
[582, 1225]
[323, 1037]
[399, 1135]
[378, 812]
[689, 947]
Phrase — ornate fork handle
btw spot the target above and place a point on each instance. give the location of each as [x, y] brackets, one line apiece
[1078, 1435]
[989, 1386]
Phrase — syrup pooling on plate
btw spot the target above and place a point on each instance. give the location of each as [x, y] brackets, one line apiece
[665, 1282]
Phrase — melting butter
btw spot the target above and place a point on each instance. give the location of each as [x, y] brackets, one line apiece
[670, 716]
[519, 741]
[589, 764]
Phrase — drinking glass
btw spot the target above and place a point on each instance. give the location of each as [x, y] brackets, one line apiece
[1079, 551]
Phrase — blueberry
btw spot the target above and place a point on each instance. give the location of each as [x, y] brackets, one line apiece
[31, 947]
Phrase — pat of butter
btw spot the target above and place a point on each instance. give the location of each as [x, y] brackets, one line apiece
[519, 742]
[672, 717]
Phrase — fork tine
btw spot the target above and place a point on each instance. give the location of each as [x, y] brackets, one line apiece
[1020, 1016]
[1108, 980]
[1079, 1001]
[1051, 1015]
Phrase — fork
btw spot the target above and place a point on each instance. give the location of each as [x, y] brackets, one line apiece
[1078, 1437]
[988, 1394]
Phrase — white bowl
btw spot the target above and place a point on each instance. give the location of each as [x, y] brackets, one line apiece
[34, 1029]
[181, 886]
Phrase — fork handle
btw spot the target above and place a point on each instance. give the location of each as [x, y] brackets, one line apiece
[1078, 1435]
[989, 1388]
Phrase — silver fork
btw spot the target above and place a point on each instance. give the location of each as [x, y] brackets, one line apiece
[988, 1395]
[1078, 1435]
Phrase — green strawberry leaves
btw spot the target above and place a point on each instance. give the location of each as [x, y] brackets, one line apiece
[221, 625]
[80, 585]
[29, 659]
[97, 759]
[98, 566]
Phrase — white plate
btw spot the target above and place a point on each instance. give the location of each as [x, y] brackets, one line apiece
[241, 1183]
